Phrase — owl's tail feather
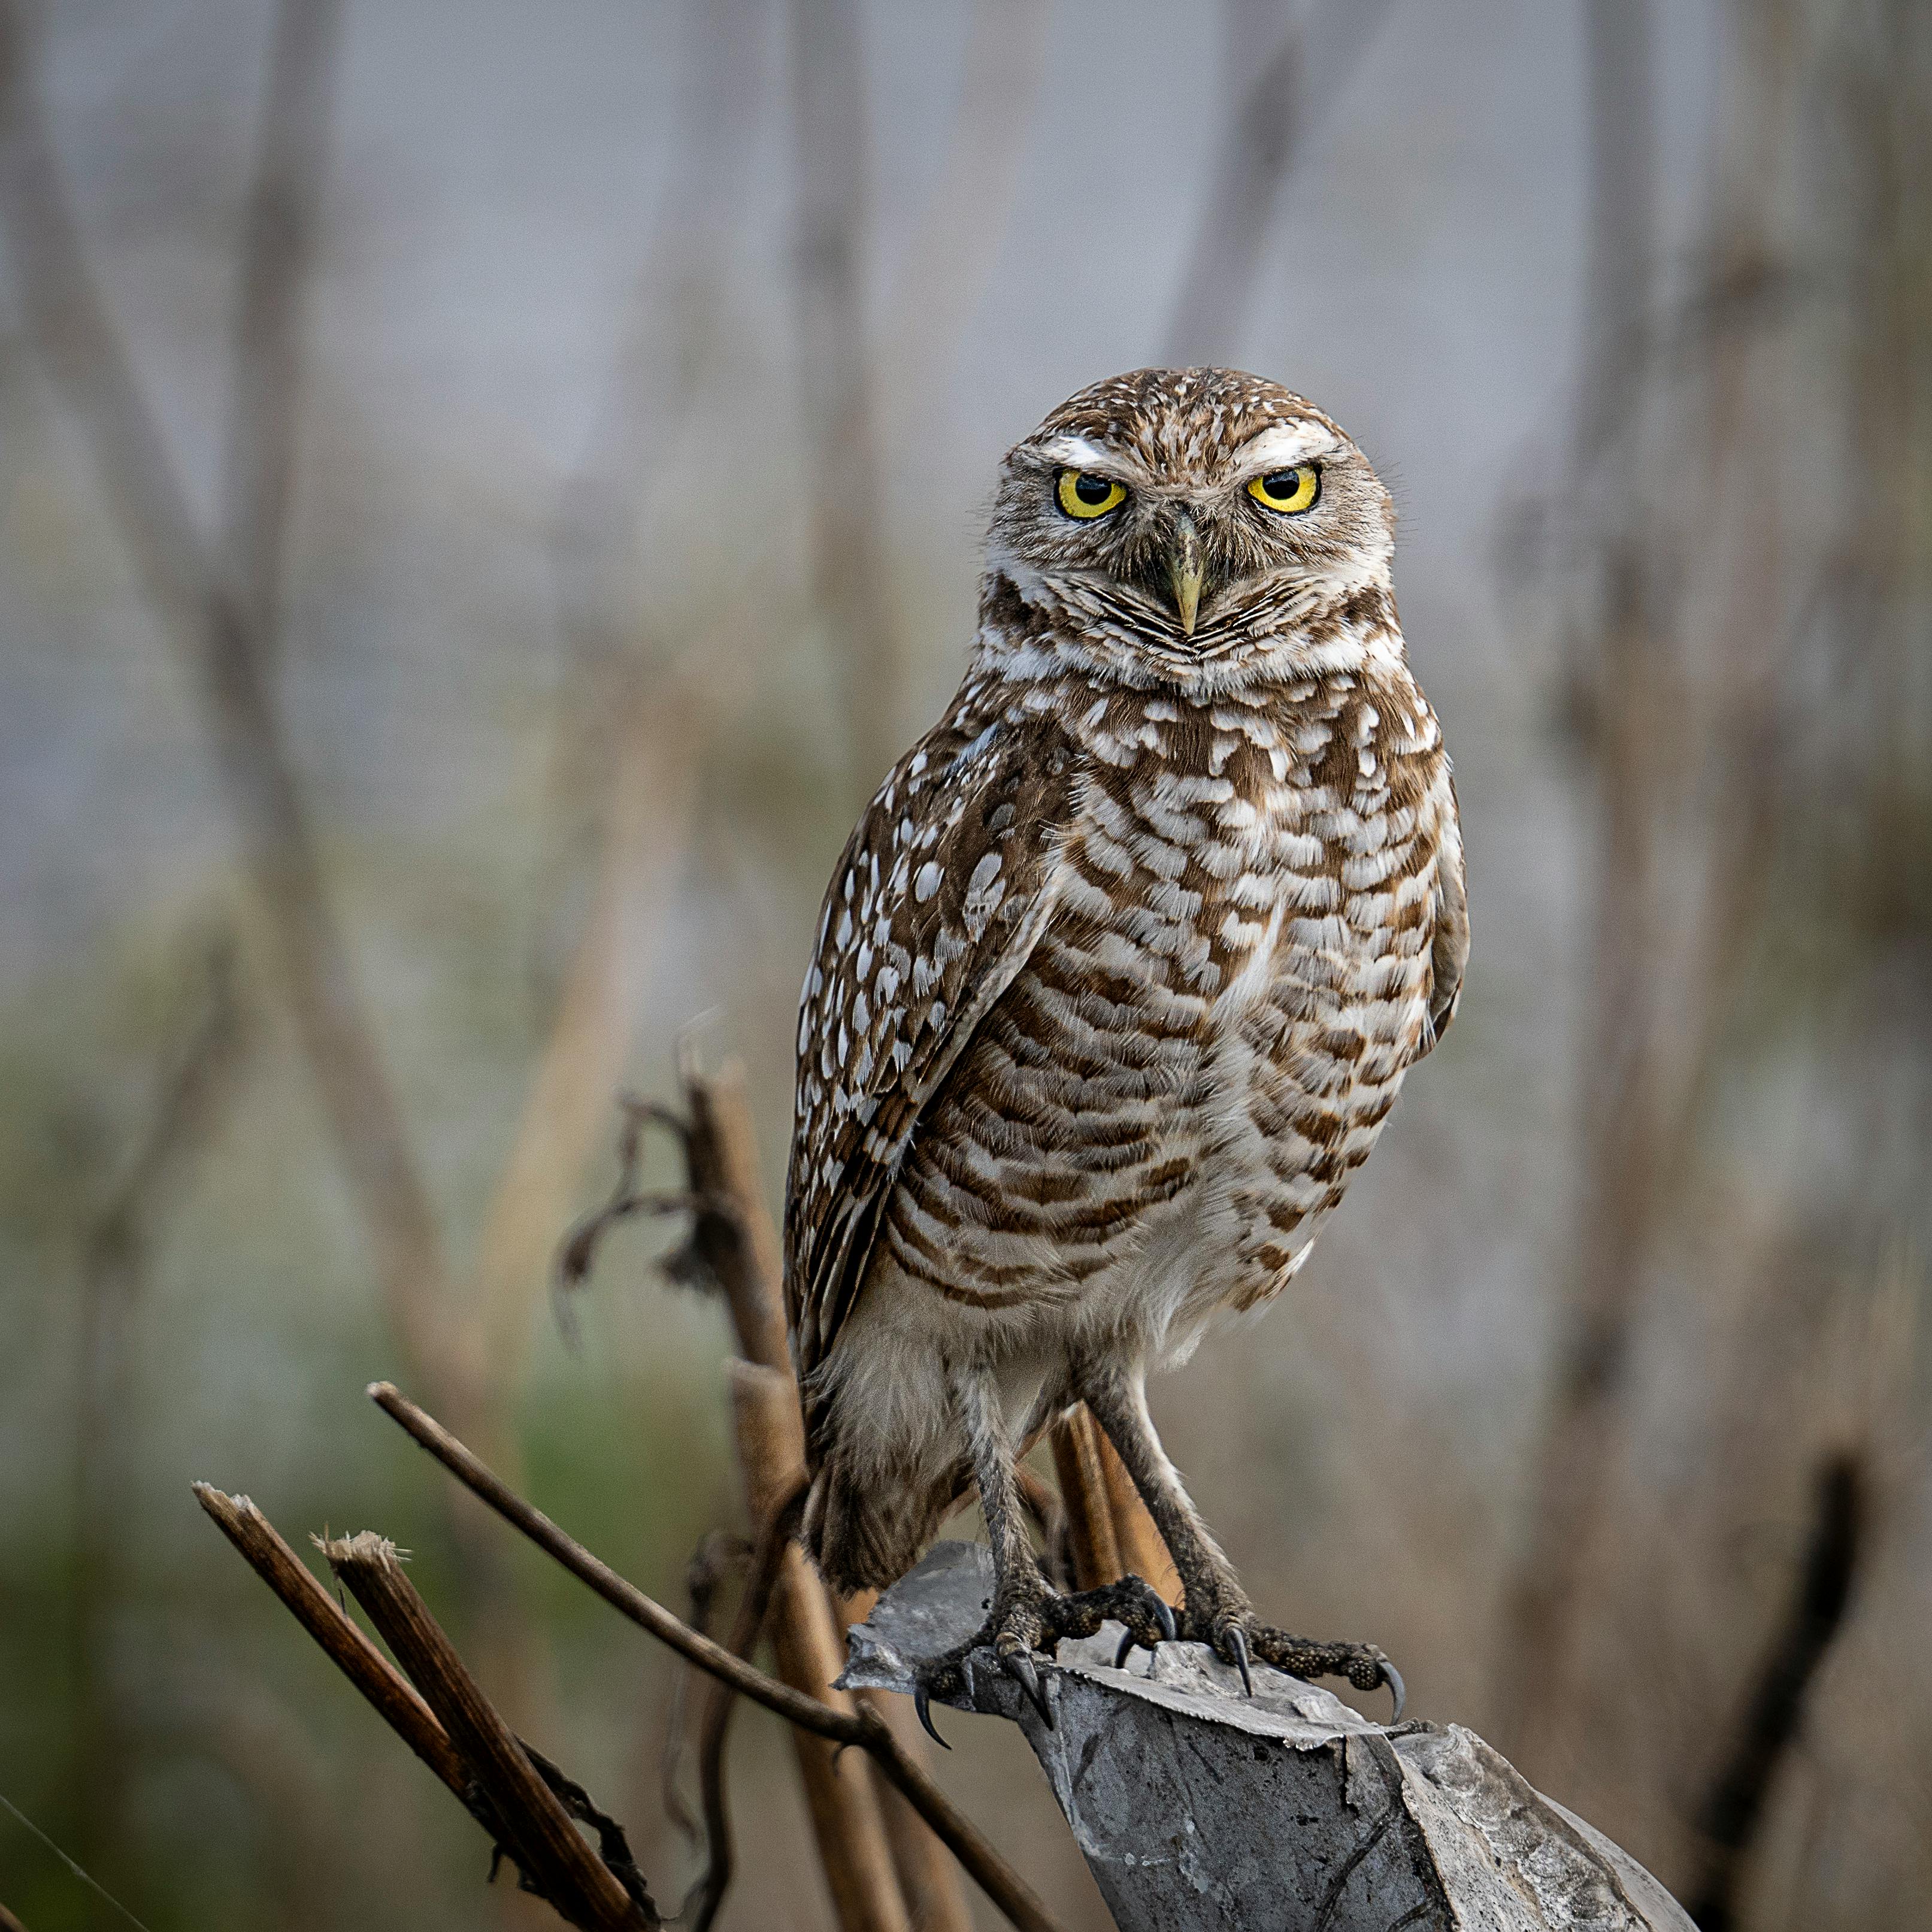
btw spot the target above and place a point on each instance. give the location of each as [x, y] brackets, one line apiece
[864, 1533]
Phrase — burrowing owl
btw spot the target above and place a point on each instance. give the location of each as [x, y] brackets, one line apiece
[1115, 984]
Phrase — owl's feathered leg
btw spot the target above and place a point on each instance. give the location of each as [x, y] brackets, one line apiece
[1028, 1616]
[1217, 1609]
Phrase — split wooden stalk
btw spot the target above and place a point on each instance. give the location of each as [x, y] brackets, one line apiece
[546, 1843]
[395, 1699]
[461, 1737]
[1108, 1527]
[886, 1870]
[1096, 1549]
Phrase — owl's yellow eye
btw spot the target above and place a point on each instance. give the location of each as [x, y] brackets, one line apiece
[1083, 495]
[1288, 490]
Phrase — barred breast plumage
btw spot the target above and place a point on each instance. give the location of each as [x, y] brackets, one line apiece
[1115, 985]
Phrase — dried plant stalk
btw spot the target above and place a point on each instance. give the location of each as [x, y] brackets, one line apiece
[1076, 1441]
[872, 1846]
[863, 1727]
[808, 1646]
[1110, 1532]
[545, 1842]
[396, 1700]
[500, 1804]
[1143, 1553]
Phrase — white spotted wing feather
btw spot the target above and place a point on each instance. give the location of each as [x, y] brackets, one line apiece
[940, 895]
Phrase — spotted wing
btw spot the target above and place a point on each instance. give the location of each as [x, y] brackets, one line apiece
[939, 896]
[1449, 950]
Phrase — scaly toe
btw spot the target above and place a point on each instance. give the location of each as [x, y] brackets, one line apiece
[1363, 1665]
[1146, 1615]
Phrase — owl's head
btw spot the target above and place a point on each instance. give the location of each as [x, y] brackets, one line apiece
[1189, 524]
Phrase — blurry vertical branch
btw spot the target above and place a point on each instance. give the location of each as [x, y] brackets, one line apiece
[1733, 1814]
[830, 133]
[278, 250]
[198, 594]
[203, 1078]
[1618, 684]
[1282, 76]
[883, 1868]
[1738, 686]
[195, 593]
[640, 701]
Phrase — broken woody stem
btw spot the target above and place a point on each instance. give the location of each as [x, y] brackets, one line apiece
[452, 1734]
[861, 1727]
[519, 1797]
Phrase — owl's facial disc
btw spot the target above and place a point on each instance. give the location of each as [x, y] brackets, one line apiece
[1187, 524]
[1195, 538]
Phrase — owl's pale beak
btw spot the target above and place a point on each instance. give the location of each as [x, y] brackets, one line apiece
[1185, 570]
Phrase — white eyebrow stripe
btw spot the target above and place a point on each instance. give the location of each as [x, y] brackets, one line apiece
[1283, 446]
[1076, 452]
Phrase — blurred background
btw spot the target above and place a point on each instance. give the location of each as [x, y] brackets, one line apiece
[486, 490]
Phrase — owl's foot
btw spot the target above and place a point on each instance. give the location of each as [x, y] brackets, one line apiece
[1143, 1613]
[1237, 1638]
[1031, 1626]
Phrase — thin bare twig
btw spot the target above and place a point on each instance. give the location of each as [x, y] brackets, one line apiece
[721, 1552]
[854, 1823]
[862, 1727]
[577, 1255]
[702, 1901]
[732, 1250]
[73, 1865]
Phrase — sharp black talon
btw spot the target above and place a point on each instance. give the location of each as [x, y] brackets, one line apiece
[922, 1705]
[1164, 1615]
[1237, 1641]
[1121, 1655]
[1392, 1677]
[1019, 1664]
